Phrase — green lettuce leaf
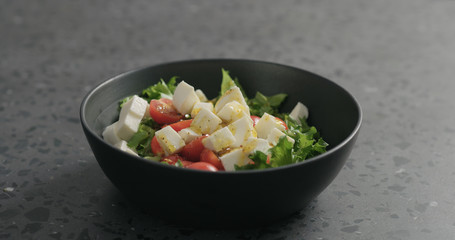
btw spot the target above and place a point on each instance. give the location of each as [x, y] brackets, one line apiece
[227, 83]
[160, 90]
[281, 153]
[261, 104]
[308, 142]
[142, 139]
[179, 164]
[259, 162]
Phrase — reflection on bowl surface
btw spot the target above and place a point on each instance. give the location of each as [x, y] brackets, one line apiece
[226, 199]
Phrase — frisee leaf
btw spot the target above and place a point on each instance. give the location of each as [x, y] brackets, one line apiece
[261, 104]
[179, 164]
[160, 90]
[281, 153]
[137, 138]
[142, 139]
[227, 83]
[259, 161]
[308, 142]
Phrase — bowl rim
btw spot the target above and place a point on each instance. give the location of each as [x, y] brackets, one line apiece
[334, 149]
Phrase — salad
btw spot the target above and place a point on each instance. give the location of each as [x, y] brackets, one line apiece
[177, 125]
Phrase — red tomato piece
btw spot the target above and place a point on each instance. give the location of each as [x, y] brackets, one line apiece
[192, 151]
[156, 148]
[280, 121]
[181, 125]
[209, 156]
[163, 111]
[203, 166]
[255, 119]
[174, 158]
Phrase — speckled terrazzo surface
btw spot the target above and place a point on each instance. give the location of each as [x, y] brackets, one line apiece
[396, 57]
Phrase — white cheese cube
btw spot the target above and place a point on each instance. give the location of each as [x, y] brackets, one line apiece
[201, 95]
[184, 98]
[262, 145]
[219, 140]
[234, 157]
[198, 106]
[205, 122]
[250, 144]
[233, 94]
[110, 135]
[256, 144]
[136, 106]
[266, 124]
[275, 135]
[188, 135]
[233, 111]
[299, 111]
[127, 125]
[169, 140]
[242, 129]
[122, 145]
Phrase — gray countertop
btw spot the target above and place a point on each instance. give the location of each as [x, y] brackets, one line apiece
[396, 57]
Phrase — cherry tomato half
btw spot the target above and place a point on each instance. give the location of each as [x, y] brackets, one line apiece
[202, 166]
[163, 111]
[209, 156]
[181, 125]
[192, 151]
[156, 148]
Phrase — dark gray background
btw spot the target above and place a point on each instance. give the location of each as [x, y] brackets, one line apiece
[395, 56]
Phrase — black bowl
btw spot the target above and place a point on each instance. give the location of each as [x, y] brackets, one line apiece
[226, 199]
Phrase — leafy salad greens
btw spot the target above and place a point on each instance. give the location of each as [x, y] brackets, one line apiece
[307, 140]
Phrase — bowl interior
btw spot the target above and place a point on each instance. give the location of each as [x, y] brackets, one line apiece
[333, 111]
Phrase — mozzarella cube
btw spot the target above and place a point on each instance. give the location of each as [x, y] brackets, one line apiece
[184, 98]
[127, 125]
[275, 135]
[262, 145]
[122, 145]
[233, 94]
[242, 129]
[299, 111]
[234, 157]
[198, 106]
[219, 140]
[233, 111]
[249, 145]
[205, 122]
[136, 106]
[110, 134]
[201, 95]
[169, 140]
[189, 134]
[266, 124]
[256, 144]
